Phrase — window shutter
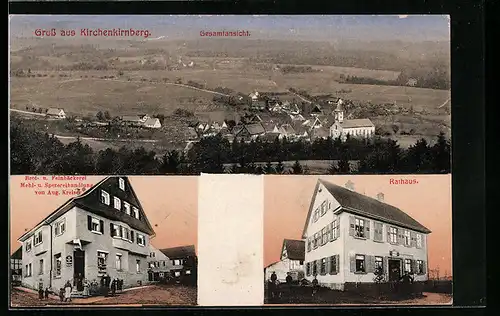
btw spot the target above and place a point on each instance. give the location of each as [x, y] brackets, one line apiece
[424, 264]
[369, 263]
[385, 264]
[89, 222]
[401, 240]
[367, 229]
[388, 234]
[338, 229]
[111, 229]
[132, 235]
[331, 232]
[101, 226]
[351, 226]
[327, 265]
[352, 263]
[337, 263]
[381, 232]
[413, 240]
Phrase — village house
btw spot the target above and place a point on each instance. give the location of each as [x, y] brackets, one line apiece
[258, 105]
[159, 265]
[291, 261]
[103, 231]
[249, 131]
[360, 128]
[349, 236]
[254, 96]
[287, 131]
[16, 265]
[56, 113]
[152, 122]
[184, 262]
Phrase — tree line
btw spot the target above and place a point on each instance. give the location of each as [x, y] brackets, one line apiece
[34, 152]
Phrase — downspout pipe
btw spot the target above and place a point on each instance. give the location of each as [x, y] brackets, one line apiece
[50, 259]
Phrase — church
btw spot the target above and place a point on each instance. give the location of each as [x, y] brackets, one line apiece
[359, 128]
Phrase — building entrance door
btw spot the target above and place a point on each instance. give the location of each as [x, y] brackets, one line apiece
[79, 269]
[394, 269]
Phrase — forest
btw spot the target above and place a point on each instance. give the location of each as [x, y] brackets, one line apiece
[34, 152]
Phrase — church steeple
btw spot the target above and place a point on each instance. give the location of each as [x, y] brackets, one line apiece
[339, 112]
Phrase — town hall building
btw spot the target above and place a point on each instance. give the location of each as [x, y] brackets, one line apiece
[350, 236]
[102, 232]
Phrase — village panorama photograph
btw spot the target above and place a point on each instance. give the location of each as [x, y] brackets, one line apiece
[358, 240]
[103, 241]
[136, 95]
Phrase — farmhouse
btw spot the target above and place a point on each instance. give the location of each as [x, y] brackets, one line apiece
[258, 105]
[362, 128]
[132, 120]
[56, 113]
[184, 262]
[152, 123]
[103, 231]
[250, 131]
[349, 236]
[254, 96]
[159, 265]
[291, 261]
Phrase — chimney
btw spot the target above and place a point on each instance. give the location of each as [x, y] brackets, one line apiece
[349, 185]
[380, 197]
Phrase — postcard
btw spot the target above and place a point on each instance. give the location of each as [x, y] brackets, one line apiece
[358, 240]
[255, 94]
[103, 241]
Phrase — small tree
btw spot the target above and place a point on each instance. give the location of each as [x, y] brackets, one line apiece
[100, 116]
[107, 116]
[297, 168]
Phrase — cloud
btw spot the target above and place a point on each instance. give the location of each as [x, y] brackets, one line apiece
[402, 16]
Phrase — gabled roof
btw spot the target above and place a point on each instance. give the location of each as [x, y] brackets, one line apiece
[131, 118]
[152, 121]
[255, 129]
[90, 202]
[18, 254]
[287, 129]
[179, 252]
[295, 249]
[357, 123]
[54, 111]
[356, 203]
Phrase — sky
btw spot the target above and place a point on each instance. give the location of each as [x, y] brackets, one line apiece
[412, 28]
[287, 199]
[170, 204]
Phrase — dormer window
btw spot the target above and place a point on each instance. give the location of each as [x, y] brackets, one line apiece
[136, 212]
[105, 197]
[117, 203]
[121, 184]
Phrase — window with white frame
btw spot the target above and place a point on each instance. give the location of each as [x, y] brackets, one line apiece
[125, 233]
[141, 240]
[359, 228]
[121, 183]
[27, 246]
[407, 237]
[95, 225]
[38, 238]
[60, 227]
[58, 264]
[118, 261]
[324, 235]
[102, 261]
[105, 197]
[28, 270]
[115, 230]
[420, 266]
[316, 214]
[136, 212]
[137, 266]
[335, 229]
[177, 273]
[323, 208]
[419, 241]
[323, 266]
[407, 266]
[126, 206]
[40, 267]
[177, 262]
[117, 203]
[393, 235]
